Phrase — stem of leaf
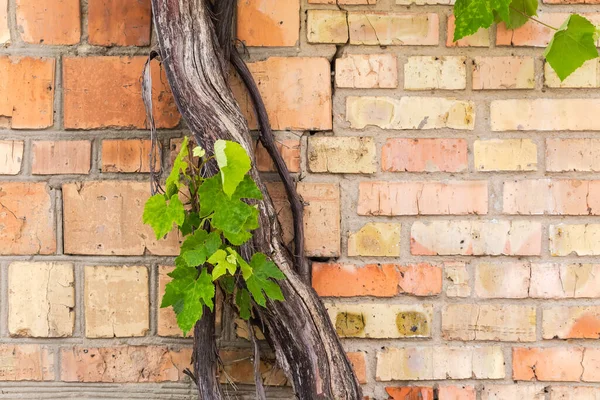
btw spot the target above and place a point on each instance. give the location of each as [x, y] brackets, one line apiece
[533, 19]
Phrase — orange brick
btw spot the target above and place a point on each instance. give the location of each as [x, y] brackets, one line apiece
[49, 22]
[27, 92]
[4, 30]
[366, 71]
[421, 279]
[577, 322]
[481, 38]
[457, 393]
[26, 362]
[268, 22]
[113, 97]
[346, 280]
[61, 157]
[503, 73]
[359, 363]
[289, 150]
[424, 155]
[322, 216]
[404, 29]
[422, 198]
[127, 156]
[547, 364]
[119, 22]
[296, 92]
[239, 368]
[410, 393]
[125, 364]
[106, 218]
[26, 219]
[11, 156]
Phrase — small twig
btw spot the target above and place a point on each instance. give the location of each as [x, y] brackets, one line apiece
[191, 375]
[533, 19]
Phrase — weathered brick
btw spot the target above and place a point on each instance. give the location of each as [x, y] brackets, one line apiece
[420, 279]
[41, 299]
[282, 209]
[410, 392]
[4, 30]
[322, 223]
[27, 92]
[574, 393]
[26, 219]
[577, 322]
[584, 77]
[499, 322]
[106, 218]
[11, 157]
[552, 196]
[26, 362]
[127, 156]
[505, 155]
[503, 73]
[113, 98]
[123, 364]
[428, 72]
[116, 302]
[342, 2]
[544, 115]
[424, 155]
[591, 365]
[359, 364]
[366, 71]
[167, 320]
[476, 238]
[409, 113]
[502, 280]
[582, 240]
[548, 364]
[268, 22]
[289, 150]
[375, 239]
[296, 92]
[562, 281]
[511, 392]
[238, 368]
[382, 29]
[61, 157]
[381, 320]
[573, 154]
[423, 198]
[119, 22]
[458, 279]
[49, 22]
[346, 280]
[457, 393]
[326, 26]
[428, 363]
[481, 38]
[353, 155]
[532, 33]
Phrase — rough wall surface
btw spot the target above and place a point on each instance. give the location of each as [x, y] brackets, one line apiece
[452, 199]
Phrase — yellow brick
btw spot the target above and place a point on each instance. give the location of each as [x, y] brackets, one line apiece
[326, 26]
[585, 76]
[505, 155]
[341, 154]
[400, 29]
[581, 239]
[375, 239]
[421, 73]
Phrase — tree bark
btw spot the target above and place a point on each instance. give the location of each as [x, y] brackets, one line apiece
[205, 357]
[299, 328]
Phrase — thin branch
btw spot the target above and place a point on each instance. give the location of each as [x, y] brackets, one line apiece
[533, 19]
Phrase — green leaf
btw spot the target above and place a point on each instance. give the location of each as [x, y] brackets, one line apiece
[520, 10]
[222, 262]
[161, 215]
[198, 247]
[233, 162]
[192, 221]
[188, 297]
[263, 270]
[247, 189]
[242, 299]
[244, 266]
[227, 284]
[572, 45]
[198, 151]
[180, 166]
[471, 15]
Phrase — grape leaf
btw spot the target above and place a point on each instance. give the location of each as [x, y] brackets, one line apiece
[263, 270]
[180, 166]
[520, 10]
[192, 221]
[242, 299]
[161, 215]
[572, 45]
[227, 284]
[233, 162]
[222, 262]
[474, 14]
[198, 247]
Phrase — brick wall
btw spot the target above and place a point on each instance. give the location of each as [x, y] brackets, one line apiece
[452, 200]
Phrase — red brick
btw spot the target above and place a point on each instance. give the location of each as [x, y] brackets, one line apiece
[106, 218]
[26, 219]
[422, 198]
[410, 393]
[421, 279]
[359, 363]
[119, 22]
[424, 155]
[547, 364]
[26, 362]
[322, 216]
[268, 22]
[127, 156]
[49, 22]
[61, 157]
[27, 92]
[125, 364]
[346, 280]
[289, 150]
[113, 97]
